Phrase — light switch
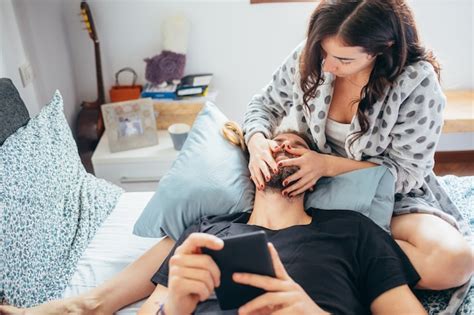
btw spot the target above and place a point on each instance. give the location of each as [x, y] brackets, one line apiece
[26, 74]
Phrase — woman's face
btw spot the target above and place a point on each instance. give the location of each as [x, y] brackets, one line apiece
[343, 61]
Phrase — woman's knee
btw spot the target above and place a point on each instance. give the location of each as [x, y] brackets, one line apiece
[446, 260]
[448, 266]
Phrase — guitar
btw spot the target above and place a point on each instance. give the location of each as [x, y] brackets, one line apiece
[89, 123]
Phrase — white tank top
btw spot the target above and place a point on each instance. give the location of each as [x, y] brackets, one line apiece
[336, 134]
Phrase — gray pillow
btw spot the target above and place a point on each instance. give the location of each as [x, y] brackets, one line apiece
[13, 112]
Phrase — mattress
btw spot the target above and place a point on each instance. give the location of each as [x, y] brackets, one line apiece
[113, 248]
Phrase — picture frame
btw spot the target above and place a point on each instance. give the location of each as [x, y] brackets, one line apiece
[130, 124]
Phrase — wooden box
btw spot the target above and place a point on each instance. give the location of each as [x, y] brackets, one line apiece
[172, 112]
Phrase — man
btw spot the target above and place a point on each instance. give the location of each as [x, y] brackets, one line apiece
[332, 261]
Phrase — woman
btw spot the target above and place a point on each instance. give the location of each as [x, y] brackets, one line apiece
[366, 91]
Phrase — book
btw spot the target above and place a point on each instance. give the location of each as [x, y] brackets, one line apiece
[203, 79]
[191, 90]
[156, 92]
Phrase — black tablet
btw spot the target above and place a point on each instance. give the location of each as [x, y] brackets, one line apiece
[241, 253]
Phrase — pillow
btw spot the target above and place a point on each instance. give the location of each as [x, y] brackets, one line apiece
[50, 208]
[370, 191]
[13, 111]
[210, 177]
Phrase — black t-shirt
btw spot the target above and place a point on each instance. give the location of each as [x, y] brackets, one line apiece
[341, 259]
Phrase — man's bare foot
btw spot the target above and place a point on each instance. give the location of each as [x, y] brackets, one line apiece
[72, 306]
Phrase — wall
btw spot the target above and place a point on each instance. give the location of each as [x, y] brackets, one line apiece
[241, 44]
[35, 33]
[13, 54]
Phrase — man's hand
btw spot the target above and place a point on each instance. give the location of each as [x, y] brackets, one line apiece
[284, 296]
[192, 275]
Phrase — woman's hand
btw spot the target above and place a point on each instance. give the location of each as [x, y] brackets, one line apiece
[312, 166]
[192, 275]
[284, 296]
[262, 164]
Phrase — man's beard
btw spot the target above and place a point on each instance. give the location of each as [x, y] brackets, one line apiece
[276, 180]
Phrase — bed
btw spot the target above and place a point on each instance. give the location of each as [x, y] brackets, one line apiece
[59, 221]
[105, 255]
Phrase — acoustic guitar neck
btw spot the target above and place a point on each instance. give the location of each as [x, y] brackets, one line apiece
[90, 27]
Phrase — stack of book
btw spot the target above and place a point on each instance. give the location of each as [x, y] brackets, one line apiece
[190, 85]
[194, 85]
[157, 92]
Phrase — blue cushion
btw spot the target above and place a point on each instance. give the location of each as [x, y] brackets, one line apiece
[50, 208]
[210, 177]
[370, 191]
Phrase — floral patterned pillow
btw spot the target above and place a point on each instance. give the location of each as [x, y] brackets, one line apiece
[50, 208]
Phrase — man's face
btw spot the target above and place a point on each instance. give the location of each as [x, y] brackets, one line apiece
[285, 139]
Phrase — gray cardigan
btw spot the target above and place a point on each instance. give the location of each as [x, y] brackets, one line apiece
[404, 129]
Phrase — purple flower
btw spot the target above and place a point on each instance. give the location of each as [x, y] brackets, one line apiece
[165, 67]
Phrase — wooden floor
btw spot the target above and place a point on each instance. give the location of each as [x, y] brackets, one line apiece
[459, 163]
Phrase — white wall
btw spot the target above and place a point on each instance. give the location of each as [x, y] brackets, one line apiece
[447, 27]
[241, 44]
[43, 24]
[13, 54]
[35, 33]
[2, 46]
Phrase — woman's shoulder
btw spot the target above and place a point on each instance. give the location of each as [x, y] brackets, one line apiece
[294, 56]
[415, 74]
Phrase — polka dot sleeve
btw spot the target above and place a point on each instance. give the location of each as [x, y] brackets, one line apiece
[410, 155]
[266, 109]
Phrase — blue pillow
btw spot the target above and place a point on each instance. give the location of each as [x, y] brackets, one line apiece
[210, 177]
[370, 191]
[50, 208]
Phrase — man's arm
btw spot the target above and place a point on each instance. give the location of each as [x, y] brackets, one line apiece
[152, 304]
[191, 279]
[396, 301]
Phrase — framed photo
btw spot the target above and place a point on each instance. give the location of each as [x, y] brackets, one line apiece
[130, 125]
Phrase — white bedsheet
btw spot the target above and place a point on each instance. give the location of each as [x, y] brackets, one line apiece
[113, 248]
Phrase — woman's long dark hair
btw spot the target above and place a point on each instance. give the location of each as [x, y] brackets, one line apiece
[385, 28]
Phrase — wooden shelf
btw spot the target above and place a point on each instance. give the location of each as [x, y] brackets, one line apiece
[459, 111]
[457, 163]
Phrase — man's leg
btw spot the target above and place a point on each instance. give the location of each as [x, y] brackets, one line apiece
[436, 249]
[130, 285]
